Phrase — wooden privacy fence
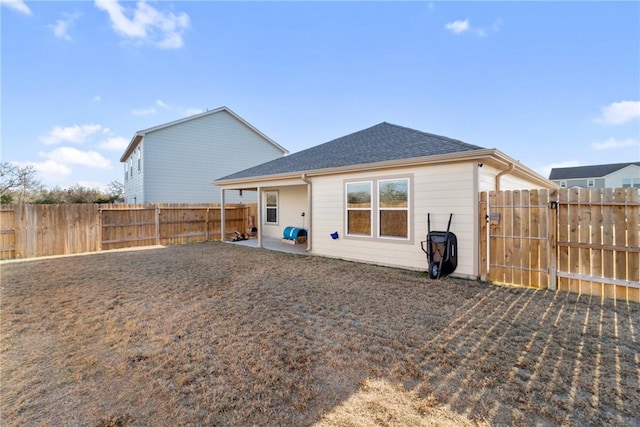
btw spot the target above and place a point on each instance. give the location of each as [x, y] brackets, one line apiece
[579, 240]
[28, 231]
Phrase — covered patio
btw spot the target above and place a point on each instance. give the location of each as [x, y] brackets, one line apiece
[273, 244]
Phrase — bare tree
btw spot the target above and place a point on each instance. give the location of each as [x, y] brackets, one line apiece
[115, 191]
[17, 182]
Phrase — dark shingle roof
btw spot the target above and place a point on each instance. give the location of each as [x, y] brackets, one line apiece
[593, 171]
[379, 143]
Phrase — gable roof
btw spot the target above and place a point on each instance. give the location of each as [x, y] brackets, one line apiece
[592, 171]
[141, 133]
[379, 143]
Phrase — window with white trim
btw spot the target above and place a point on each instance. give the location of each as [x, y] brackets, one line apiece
[563, 184]
[393, 208]
[631, 182]
[359, 208]
[591, 183]
[378, 209]
[271, 207]
[139, 159]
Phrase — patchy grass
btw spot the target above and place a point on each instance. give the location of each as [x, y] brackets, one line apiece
[216, 334]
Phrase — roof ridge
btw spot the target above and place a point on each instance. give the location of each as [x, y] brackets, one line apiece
[382, 142]
[598, 165]
[430, 134]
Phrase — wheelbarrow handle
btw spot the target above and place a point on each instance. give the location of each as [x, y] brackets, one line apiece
[423, 248]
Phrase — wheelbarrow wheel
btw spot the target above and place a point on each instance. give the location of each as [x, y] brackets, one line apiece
[434, 269]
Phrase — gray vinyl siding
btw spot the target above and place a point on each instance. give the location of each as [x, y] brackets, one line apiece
[181, 161]
[616, 179]
[583, 182]
[134, 183]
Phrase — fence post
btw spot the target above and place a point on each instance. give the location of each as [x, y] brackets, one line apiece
[99, 227]
[552, 238]
[157, 221]
[206, 226]
[484, 219]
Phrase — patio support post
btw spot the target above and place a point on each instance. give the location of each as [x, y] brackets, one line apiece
[259, 217]
[309, 210]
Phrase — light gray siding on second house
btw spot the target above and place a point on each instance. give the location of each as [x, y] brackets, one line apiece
[133, 176]
[630, 173]
[582, 182]
[182, 160]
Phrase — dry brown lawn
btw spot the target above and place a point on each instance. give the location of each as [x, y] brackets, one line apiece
[217, 334]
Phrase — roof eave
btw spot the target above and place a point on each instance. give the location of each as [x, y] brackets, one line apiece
[132, 146]
[481, 154]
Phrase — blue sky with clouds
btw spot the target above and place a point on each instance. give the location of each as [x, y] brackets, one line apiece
[548, 83]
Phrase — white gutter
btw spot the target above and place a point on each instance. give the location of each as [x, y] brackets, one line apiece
[309, 208]
[442, 158]
[489, 156]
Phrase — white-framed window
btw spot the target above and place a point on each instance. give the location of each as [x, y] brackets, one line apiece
[631, 182]
[393, 208]
[139, 159]
[591, 183]
[378, 208]
[359, 212]
[271, 207]
[563, 184]
[126, 172]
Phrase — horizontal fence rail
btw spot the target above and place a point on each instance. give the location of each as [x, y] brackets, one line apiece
[579, 240]
[28, 231]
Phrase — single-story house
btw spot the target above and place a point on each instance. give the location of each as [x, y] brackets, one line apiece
[373, 189]
[174, 162]
[611, 175]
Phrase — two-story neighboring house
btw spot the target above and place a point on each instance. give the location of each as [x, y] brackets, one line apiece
[614, 175]
[176, 162]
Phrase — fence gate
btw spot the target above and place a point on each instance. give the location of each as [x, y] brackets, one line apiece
[578, 240]
[519, 232]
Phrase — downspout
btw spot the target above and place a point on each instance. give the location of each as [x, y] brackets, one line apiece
[512, 166]
[309, 187]
[476, 214]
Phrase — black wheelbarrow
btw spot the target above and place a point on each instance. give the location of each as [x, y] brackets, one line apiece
[441, 248]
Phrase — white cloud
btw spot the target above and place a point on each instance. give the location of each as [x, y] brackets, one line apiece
[613, 143]
[70, 155]
[17, 5]
[146, 23]
[76, 134]
[49, 172]
[546, 169]
[458, 27]
[97, 99]
[617, 113]
[115, 143]
[184, 112]
[143, 111]
[61, 27]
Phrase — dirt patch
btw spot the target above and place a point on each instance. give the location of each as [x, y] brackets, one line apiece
[217, 334]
